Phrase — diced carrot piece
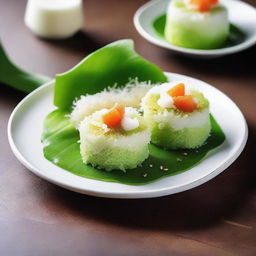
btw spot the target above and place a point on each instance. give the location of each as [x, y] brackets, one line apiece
[203, 5]
[114, 116]
[197, 3]
[177, 90]
[120, 108]
[185, 103]
[214, 1]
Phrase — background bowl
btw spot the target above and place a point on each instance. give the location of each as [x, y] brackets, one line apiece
[242, 15]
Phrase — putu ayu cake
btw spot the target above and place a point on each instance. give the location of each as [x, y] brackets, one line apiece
[177, 116]
[198, 24]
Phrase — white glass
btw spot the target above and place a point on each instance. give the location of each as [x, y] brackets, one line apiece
[54, 18]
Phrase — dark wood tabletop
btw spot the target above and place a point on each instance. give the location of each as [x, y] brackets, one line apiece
[39, 218]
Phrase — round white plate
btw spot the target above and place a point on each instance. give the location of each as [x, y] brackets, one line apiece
[240, 14]
[25, 129]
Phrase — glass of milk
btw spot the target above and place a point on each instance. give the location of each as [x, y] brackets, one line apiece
[54, 18]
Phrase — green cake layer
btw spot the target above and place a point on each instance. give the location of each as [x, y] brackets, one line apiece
[164, 135]
[113, 157]
[113, 148]
[190, 28]
[165, 123]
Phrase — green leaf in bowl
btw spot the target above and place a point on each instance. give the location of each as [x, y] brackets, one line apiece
[236, 35]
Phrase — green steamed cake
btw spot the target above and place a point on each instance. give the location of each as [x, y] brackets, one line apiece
[174, 129]
[113, 148]
[190, 28]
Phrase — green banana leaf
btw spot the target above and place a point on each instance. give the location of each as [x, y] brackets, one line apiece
[111, 65]
[62, 148]
[236, 35]
[17, 78]
[115, 63]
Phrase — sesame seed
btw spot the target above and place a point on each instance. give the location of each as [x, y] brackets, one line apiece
[145, 175]
[151, 165]
[179, 160]
[161, 167]
[185, 153]
[166, 169]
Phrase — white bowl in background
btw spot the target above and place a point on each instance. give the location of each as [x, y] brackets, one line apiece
[242, 15]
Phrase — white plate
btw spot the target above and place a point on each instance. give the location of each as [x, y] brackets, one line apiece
[240, 14]
[25, 129]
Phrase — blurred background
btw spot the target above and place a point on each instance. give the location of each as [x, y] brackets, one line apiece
[38, 218]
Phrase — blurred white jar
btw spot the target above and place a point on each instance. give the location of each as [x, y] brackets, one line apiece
[54, 18]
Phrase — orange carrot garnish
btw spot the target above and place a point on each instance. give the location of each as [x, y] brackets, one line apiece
[185, 103]
[177, 90]
[114, 117]
[203, 5]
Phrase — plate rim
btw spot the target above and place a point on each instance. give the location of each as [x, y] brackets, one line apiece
[190, 51]
[130, 194]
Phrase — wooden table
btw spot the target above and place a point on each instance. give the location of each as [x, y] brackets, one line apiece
[38, 218]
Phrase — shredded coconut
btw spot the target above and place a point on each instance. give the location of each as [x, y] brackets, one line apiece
[130, 95]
